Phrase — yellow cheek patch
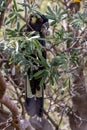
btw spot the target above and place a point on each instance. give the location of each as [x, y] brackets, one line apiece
[34, 19]
[76, 0]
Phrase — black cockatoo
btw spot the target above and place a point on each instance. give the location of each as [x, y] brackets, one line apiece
[34, 93]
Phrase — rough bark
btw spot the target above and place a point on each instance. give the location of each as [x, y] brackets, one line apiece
[5, 122]
[78, 119]
[2, 85]
[41, 124]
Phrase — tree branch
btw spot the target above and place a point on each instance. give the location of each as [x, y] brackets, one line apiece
[3, 12]
[2, 85]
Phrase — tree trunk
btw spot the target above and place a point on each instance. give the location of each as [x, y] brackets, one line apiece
[78, 118]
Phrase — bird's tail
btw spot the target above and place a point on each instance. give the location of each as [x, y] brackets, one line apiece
[34, 103]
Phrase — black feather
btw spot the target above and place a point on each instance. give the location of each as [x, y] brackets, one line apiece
[34, 105]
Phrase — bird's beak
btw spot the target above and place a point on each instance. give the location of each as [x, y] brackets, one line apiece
[47, 24]
[44, 29]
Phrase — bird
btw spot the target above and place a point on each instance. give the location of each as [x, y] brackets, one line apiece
[34, 99]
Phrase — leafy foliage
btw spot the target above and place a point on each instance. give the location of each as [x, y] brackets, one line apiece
[2, 5]
[64, 46]
[17, 39]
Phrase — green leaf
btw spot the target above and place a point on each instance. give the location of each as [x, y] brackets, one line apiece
[51, 79]
[25, 5]
[11, 15]
[20, 10]
[50, 10]
[15, 5]
[10, 20]
[18, 26]
[43, 78]
[57, 61]
[53, 23]
[39, 74]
